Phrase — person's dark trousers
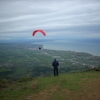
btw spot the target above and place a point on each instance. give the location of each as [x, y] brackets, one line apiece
[55, 71]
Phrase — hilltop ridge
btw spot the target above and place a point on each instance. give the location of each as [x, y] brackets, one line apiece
[73, 86]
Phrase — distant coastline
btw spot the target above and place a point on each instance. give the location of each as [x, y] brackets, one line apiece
[93, 49]
[87, 45]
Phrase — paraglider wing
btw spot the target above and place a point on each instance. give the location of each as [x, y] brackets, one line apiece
[42, 31]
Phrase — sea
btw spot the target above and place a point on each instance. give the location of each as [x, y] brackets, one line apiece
[91, 46]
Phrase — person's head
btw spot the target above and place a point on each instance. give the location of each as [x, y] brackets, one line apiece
[54, 59]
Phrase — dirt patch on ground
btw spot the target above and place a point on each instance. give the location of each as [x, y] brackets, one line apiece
[89, 91]
[44, 94]
[92, 89]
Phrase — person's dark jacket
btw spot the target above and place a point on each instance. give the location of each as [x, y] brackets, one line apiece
[55, 64]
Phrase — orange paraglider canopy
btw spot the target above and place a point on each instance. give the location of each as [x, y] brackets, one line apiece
[40, 30]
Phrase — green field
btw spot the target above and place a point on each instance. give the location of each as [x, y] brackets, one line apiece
[73, 86]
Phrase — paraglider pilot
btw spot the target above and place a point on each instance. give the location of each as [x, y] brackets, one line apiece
[55, 65]
[39, 48]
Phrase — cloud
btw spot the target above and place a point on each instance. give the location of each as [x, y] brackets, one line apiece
[4, 38]
[64, 17]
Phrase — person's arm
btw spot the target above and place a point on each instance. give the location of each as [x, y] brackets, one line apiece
[58, 64]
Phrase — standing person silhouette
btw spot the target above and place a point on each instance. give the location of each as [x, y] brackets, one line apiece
[55, 64]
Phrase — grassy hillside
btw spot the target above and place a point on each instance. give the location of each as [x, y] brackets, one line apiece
[72, 86]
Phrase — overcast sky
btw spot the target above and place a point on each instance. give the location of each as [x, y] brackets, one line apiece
[19, 18]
